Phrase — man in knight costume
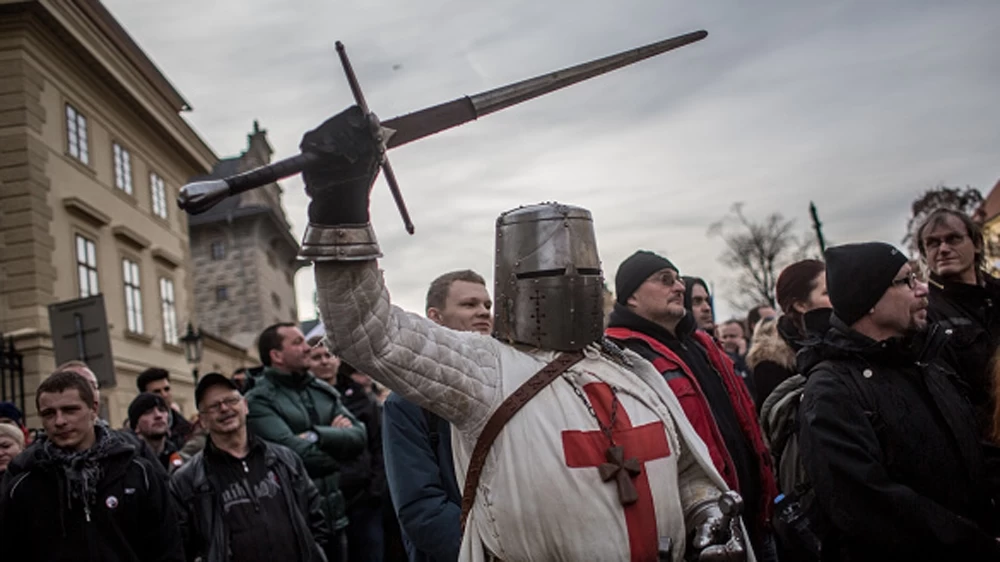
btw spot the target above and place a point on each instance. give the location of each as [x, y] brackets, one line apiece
[593, 458]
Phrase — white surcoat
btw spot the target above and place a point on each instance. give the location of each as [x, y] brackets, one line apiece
[540, 497]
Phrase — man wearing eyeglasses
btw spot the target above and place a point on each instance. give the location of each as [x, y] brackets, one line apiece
[965, 299]
[651, 319]
[887, 440]
[243, 498]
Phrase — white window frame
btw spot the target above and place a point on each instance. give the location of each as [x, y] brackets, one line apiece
[76, 135]
[168, 306]
[86, 266]
[221, 244]
[158, 194]
[123, 167]
[133, 296]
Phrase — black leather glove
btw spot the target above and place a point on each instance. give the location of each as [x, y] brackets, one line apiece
[340, 183]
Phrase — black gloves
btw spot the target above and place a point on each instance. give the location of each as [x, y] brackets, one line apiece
[340, 183]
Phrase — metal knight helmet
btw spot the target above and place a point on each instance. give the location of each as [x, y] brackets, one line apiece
[549, 290]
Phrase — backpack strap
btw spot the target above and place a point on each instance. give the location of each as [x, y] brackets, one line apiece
[510, 406]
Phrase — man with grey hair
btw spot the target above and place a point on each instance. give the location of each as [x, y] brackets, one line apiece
[888, 442]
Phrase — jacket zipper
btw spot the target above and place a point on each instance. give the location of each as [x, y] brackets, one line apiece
[249, 489]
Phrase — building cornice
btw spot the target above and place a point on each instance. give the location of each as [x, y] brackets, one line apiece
[86, 211]
[129, 236]
[90, 32]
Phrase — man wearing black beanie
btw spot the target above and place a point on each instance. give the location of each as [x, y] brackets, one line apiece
[886, 439]
[650, 318]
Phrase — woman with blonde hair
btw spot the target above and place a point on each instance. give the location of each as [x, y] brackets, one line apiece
[11, 444]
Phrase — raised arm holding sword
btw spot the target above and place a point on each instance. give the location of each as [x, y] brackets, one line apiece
[568, 447]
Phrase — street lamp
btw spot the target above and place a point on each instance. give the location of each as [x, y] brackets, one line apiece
[192, 349]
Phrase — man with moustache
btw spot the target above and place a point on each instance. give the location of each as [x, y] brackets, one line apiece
[243, 498]
[291, 407]
[417, 442]
[83, 492]
[650, 317]
[887, 440]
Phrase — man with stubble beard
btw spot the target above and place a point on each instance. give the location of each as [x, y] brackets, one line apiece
[886, 438]
[291, 407]
[417, 443]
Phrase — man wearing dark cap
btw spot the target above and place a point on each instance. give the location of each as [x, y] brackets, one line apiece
[149, 418]
[243, 498]
[651, 319]
[887, 440]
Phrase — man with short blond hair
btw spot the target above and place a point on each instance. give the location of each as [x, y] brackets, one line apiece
[417, 443]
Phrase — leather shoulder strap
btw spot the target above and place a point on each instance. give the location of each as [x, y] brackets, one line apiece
[510, 406]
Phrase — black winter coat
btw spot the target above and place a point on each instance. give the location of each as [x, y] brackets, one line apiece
[362, 480]
[133, 519]
[890, 445]
[197, 495]
[972, 313]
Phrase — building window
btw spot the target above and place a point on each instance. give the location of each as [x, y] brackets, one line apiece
[158, 193]
[123, 168]
[76, 135]
[221, 293]
[86, 266]
[168, 305]
[218, 250]
[133, 296]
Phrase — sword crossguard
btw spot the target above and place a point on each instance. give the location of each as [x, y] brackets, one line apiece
[381, 136]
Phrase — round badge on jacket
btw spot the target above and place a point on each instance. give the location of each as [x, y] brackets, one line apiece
[111, 502]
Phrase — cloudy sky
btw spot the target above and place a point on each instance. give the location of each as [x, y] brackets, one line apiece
[856, 105]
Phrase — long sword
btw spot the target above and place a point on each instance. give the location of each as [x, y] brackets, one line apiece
[199, 197]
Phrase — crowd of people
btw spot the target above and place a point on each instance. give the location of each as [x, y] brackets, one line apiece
[856, 420]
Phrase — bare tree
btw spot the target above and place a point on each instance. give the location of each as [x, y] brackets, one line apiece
[966, 200]
[756, 252]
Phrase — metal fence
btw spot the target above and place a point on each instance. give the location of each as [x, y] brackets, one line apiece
[11, 374]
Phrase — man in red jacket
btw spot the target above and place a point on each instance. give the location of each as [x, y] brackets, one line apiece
[649, 318]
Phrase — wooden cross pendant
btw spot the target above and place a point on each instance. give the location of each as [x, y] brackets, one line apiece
[622, 471]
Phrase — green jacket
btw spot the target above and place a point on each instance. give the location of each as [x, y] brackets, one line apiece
[283, 406]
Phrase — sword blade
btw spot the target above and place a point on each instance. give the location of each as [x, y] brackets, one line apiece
[198, 197]
[426, 122]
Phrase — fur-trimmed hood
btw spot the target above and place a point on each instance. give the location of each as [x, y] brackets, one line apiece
[769, 345]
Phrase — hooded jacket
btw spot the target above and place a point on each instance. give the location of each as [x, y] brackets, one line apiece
[132, 519]
[197, 489]
[890, 446]
[283, 406]
[647, 339]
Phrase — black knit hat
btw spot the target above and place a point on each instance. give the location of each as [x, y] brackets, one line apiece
[634, 271]
[857, 275]
[142, 404]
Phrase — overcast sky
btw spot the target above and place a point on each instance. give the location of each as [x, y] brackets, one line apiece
[858, 106]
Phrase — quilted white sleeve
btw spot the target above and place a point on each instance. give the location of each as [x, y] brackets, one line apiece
[454, 374]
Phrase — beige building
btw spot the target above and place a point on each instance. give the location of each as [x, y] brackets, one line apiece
[92, 152]
[244, 255]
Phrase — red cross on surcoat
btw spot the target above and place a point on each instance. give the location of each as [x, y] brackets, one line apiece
[586, 449]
